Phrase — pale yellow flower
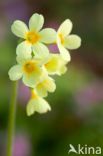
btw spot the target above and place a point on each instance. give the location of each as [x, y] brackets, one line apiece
[34, 37]
[45, 86]
[66, 41]
[30, 70]
[37, 104]
[34, 62]
[55, 64]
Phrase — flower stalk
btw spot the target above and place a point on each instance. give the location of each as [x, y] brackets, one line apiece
[12, 117]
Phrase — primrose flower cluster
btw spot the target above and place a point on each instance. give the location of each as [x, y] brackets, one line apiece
[36, 65]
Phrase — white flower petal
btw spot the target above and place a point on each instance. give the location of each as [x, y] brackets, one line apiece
[42, 92]
[33, 79]
[56, 65]
[65, 28]
[64, 52]
[47, 85]
[48, 35]
[37, 105]
[30, 81]
[19, 28]
[72, 42]
[40, 50]
[15, 72]
[36, 22]
[24, 50]
[50, 84]
[30, 107]
[42, 106]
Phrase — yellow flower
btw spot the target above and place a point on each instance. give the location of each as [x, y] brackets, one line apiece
[45, 86]
[34, 37]
[55, 64]
[37, 104]
[30, 70]
[66, 41]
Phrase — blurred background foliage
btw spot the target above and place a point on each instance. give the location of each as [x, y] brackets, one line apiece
[77, 104]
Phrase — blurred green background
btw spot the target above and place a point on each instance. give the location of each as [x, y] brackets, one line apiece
[77, 104]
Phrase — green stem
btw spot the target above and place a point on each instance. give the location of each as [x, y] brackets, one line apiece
[12, 116]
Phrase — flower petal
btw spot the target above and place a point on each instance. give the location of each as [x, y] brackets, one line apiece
[37, 105]
[56, 65]
[41, 92]
[23, 52]
[30, 81]
[48, 35]
[36, 22]
[15, 72]
[33, 79]
[72, 42]
[40, 50]
[64, 52]
[19, 28]
[30, 107]
[47, 85]
[65, 28]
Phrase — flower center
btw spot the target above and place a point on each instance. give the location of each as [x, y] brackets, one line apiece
[51, 64]
[61, 38]
[33, 94]
[29, 67]
[32, 37]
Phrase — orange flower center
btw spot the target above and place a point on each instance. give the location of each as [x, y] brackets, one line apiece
[33, 94]
[32, 37]
[51, 64]
[29, 67]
